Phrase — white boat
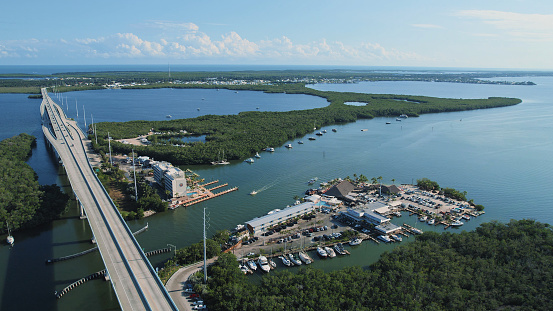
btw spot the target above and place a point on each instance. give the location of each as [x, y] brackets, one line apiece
[253, 192]
[252, 265]
[221, 161]
[355, 241]
[300, 142]
[457, 223]
[385, 238]
[403, 116]
[272, 263]
[431, 221]
[270, 149]
[257, 155]
[263, 264]
[330, 252]
[397, 237]
[319, 134]
[289, 146]
[285, 261]
[239, 228]
[168, 116]
[294, 260]
[305, 258]
[466, 217]
[324, 131]
[423, 218]
[245, 269]
[312, 180]
[339, 248]
[398, 119]
[10, 239]
[416, 231]
[321, 252]
[249, 160]
[397, 214]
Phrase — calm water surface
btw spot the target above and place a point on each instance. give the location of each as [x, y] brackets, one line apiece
[501, 157]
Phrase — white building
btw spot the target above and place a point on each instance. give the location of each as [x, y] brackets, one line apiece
[170, 178]
[258, 225]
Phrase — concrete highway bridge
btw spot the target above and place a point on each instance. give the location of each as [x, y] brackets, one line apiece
[134, 280]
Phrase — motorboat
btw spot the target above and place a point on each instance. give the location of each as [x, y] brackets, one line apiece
[263, 264]
[398, 119]
[249, 160]
[330, 252]
[385, 238]
[257, 155]
[431, 221]
[403, 116]
[312, 180]
[339, 248]
[334, 130]
[319, 134]
[272, 263]
[355, 241]
[305, 258]
[168, 116]
[321, 252]
[252, 265]
[466, 217]
[397, 237]
[289, 146]
[300, 142]
[294, 260]
[423, 218]
[457, 223]
[397, 213]
[244, 269]
[324, 131]
[270, 149]
[388, 122]
[9, 239]
[416, 230]
[285, 261]
[311, 138]
[253, 192]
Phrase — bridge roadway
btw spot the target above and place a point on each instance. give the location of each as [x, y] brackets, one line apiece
[134, 281]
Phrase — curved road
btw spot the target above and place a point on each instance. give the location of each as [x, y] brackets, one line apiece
[135, 282]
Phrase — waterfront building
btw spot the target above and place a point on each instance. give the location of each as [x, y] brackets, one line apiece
[388, 228]
[170, 178]
[341, 190]
[257, 225]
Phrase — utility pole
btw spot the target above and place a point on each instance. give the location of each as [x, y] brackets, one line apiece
[205, 265]
[134, 172]
[109, 145]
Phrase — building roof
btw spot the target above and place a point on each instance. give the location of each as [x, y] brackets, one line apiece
[340, 190]
[387, 228]
[390, 189]
[280, 215]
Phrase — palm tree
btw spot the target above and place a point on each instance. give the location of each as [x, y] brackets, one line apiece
[373, 180]
[393, 181]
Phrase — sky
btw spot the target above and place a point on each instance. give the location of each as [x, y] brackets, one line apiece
[504, 34]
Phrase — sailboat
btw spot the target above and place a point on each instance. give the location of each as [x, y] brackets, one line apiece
[10, 238]
[222, 161]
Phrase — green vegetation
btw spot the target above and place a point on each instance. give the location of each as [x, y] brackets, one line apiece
[497, 266]
[242, 135]
[427, 184]
[23, 202]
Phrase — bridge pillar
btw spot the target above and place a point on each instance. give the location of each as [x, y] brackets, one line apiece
[82, 213]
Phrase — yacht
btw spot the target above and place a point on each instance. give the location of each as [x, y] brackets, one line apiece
[397, 237]
[431, 221]
[294, 260]
[289, 146]
[385, 238]
[253, 192]
[10, 238]
[257, 155]
[249, 160]
[285, 261]
[263, 264]
[339, 248]
[397, 213]
[245, 269]
[423, 218]
[403, 116]
[300, 142]
[330, 252]
[466, 217]
[305, 258]
[168, 116]
[252, 265]
[221, 161]
[321, 252]
[457, 223]
[355, 241]
[270, 149]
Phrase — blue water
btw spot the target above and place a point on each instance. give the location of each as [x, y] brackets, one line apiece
[501, 157]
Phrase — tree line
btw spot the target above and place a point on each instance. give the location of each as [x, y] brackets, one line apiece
[23, 202]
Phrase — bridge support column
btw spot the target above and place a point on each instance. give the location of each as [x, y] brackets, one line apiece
[82, 213]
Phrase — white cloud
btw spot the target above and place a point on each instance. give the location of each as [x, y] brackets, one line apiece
[427, 26]
[528, 27]
[191, 43]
